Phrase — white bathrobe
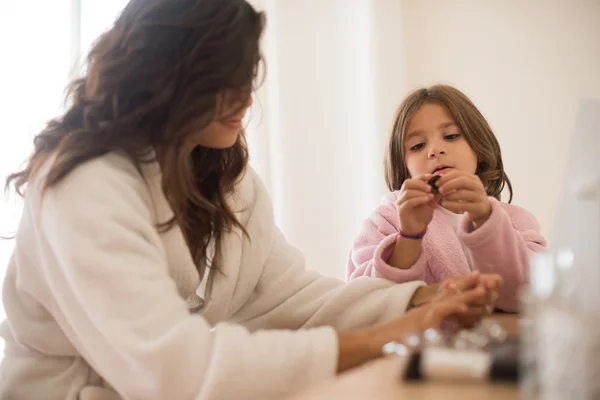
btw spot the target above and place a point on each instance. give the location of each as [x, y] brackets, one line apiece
[100, 305]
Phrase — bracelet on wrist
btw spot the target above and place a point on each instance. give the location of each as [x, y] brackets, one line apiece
[411, 236]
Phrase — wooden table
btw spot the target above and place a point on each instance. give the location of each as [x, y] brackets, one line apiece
[381, 380]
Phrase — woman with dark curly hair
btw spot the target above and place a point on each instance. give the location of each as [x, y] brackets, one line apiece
[147, 263]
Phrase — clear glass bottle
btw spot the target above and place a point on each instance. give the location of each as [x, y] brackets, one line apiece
[542, 284]
[561, 330]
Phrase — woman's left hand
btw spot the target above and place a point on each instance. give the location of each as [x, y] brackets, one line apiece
[463, 192]
[479, 307]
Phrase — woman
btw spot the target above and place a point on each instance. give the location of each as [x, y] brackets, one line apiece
[147, 264]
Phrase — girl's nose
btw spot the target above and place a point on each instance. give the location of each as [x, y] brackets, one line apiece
[436, 151]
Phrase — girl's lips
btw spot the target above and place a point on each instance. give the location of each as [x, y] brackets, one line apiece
[442, 171]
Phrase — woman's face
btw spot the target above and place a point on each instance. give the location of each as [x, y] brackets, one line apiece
[223, 131]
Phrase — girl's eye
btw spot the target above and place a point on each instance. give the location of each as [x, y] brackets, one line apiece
[452, 137]
[417, 147]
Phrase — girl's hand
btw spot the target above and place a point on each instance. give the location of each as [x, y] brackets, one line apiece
[416, 204]
[463, 192]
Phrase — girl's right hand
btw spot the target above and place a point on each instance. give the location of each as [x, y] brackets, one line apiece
[416, 204]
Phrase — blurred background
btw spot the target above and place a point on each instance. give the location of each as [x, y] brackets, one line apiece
[336, 71]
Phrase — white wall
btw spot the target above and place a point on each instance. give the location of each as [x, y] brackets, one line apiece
[578, 213]
[337, 69]
[318, 128]
[526, 64]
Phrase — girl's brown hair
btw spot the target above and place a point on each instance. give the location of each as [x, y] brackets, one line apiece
[473, 126]
[152, 81]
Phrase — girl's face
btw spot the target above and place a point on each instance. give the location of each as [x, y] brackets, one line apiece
[224, 130]
[434, 144]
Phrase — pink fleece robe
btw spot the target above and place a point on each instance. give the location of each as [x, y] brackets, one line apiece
[501, 245]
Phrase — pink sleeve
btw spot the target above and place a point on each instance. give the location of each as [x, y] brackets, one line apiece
[374, 245]
[503, 245]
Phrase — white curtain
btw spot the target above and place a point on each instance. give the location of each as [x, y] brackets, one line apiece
[41, 50]
[36, 60]
[320, 123]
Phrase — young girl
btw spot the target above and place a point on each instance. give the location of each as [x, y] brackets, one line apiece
[432, 229]
[147, 264]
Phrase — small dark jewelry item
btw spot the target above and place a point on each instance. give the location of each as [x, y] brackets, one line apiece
[432, 182]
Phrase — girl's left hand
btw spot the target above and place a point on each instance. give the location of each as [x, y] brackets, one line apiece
[463, 192]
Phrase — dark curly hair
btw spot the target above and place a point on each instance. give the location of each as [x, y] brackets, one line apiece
[152, 81]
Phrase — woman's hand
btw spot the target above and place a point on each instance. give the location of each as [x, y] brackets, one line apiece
[359, 347]
[446, 305]
[416, 204]
[480, 307]
[463, 192]
[491, 282]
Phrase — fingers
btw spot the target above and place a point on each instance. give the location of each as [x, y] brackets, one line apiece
[492, 281]
[480, 301]
[445, 310]
[489, 297]
[464, 195]
[453, 175]
[462, 283]
[463, 192]
[470, 298]
[413, 198]
[471, 183]
[451, 292]
[422, 177]
[472, 200]
[446, 290]
[475, 296]
[416, 184]
[478, 295]
[492, 296]
[480, 311]
[408, 194]
[468, 282]
[487, 286]
[419, 201]
[435, 200]
[465, 308]
[474, 315]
